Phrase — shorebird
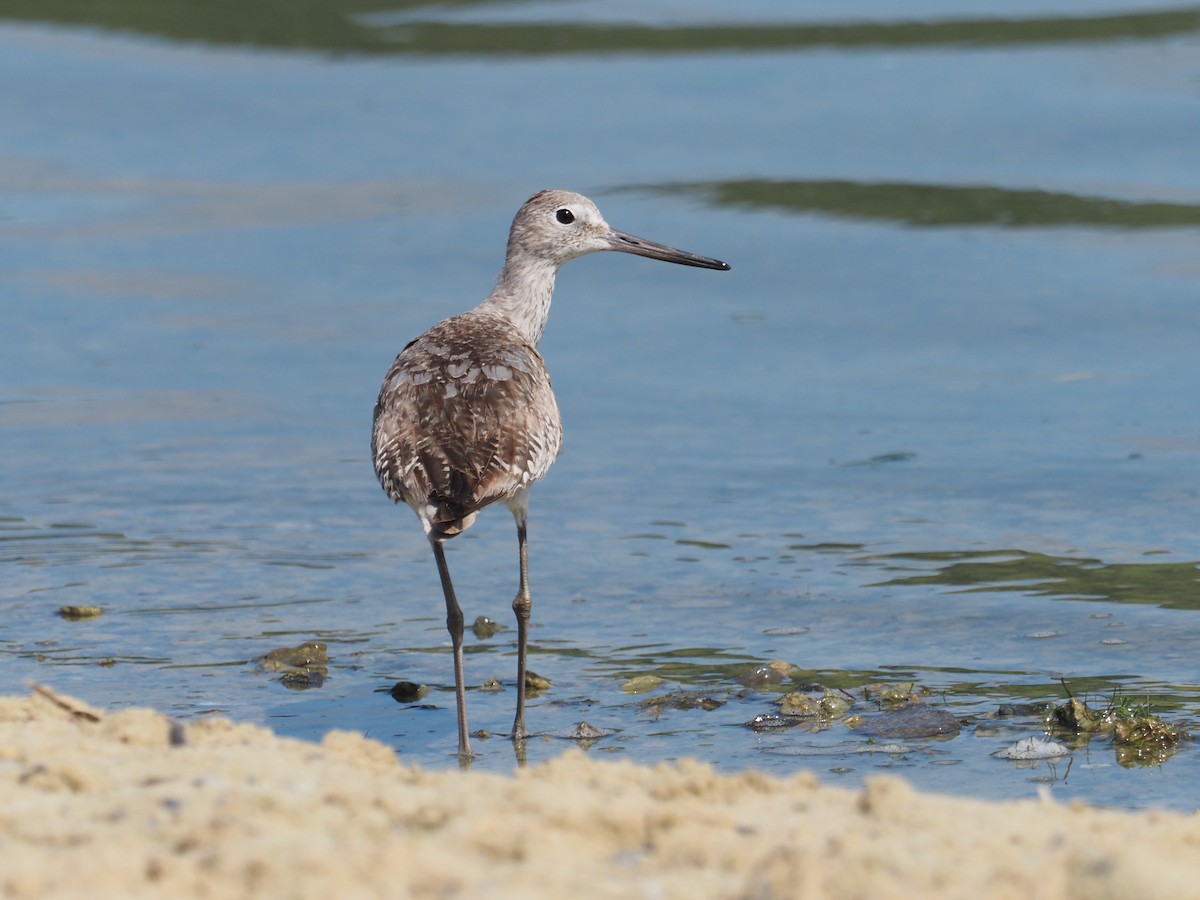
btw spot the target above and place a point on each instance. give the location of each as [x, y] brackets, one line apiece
[466, 416]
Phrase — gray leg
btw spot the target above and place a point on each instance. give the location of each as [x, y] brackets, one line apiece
[454, 624]
[522, 606]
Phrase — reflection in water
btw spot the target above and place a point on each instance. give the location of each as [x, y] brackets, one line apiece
[939, 205]
[560, 38]
[1173, 585]
[379, 26]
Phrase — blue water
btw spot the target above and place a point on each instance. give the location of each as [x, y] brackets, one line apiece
[961, 320]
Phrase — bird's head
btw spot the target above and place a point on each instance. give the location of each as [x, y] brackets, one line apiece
[558, 226]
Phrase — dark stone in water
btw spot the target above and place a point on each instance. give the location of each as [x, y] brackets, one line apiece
[484, 627]
[79, 613]
[300, 668]
[302, 679]
[767, 675]
[408, 691]
[768, 722]
[583, 731]
[810, 687]
[1024, 709]
[909, 720]
[535, 684]
[311, 654]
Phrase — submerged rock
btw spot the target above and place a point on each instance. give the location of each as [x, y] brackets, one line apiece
[79, 613]
[1077, 716]
[484, 627]
[300, 668]
[640, 684]
[904, 692]
[408, 691]
[913, 719]
[302, 679]
[583, 733]
[1021, 710]
[535, 684]
[310, 654]
[767, 675]
[827, 705]
[680, 700]
[770, 722]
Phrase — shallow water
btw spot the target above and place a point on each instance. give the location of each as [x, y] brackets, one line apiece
[938, 423]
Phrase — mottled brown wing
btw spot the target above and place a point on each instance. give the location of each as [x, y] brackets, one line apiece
[466, 416]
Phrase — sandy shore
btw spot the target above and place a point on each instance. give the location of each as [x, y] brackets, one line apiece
[127, 804]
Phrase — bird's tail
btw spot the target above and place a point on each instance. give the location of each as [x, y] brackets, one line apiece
[446, 518]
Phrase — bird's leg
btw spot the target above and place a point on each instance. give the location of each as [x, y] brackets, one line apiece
[522, 606]
[454, 624]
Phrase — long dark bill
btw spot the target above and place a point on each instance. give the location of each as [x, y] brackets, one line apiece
[627, 243]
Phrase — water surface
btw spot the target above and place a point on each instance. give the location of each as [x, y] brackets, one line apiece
[938, 424]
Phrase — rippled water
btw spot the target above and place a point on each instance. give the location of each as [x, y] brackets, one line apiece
[938, 424]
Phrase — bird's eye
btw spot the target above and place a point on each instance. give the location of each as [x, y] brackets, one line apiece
[564, 216]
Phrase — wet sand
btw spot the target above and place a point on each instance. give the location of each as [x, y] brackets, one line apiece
[130, 804]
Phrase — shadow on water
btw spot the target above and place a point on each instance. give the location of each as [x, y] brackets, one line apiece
[1170, 585]
[385, 27]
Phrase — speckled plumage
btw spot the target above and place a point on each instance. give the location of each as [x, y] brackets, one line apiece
[466, 416]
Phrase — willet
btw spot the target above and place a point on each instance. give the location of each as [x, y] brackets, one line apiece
[466, 416]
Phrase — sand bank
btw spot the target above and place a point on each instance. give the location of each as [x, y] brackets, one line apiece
[128, 804]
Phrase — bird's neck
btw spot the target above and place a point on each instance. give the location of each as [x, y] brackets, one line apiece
[522, 296]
